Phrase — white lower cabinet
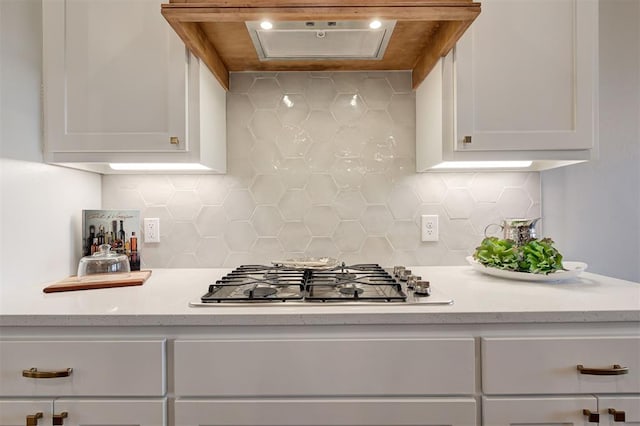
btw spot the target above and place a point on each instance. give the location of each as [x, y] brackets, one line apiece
[584, 380]
[327, 412]
[70, 412]
[115, 382]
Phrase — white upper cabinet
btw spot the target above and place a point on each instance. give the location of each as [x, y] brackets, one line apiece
[120, 87]
[520, 85]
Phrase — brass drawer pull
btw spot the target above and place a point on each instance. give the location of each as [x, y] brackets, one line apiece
[32, 419]
[591, 417]
[33, 373]
[174, 140]
[58, 419]
[618, 416]
[615, 370]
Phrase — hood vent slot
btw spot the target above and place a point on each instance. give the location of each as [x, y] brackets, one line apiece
[315, 40]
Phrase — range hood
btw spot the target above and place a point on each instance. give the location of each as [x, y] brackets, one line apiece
[320, 35]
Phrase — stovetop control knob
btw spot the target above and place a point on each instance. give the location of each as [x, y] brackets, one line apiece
[422, 288]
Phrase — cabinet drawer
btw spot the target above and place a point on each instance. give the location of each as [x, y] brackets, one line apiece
[328, 411]
[325, 367]
[549, 365]
[99, 368]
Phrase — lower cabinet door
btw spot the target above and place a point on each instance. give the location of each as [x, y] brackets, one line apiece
[565, 411]
[619, 410]
[25, 412]
[129, 412]
[327, 412]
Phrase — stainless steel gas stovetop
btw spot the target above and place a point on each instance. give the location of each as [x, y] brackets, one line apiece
[344, 284]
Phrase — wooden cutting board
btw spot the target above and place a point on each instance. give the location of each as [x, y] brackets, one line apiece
[103, 281]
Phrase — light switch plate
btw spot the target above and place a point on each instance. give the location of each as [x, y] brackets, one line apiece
[151, 230]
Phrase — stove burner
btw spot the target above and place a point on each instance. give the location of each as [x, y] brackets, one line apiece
[351, 290]
[258, 292]
[344, 276]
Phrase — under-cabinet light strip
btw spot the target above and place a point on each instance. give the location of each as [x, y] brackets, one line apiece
[483, 165]
[157, 166]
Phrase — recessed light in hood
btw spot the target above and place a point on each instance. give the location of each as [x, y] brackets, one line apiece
[320, 40]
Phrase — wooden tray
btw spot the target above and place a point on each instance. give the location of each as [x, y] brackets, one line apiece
[103, 281]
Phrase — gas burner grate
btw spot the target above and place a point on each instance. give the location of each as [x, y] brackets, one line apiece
[261, 283]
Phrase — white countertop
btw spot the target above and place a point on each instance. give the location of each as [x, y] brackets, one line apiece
[164, 301]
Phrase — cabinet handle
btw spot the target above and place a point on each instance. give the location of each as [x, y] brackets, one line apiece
[591, 417]
[174, 140]
[58, 419]
[33, 373]
[466, 139]
[618, 416]
[615, 370]
[32, 419]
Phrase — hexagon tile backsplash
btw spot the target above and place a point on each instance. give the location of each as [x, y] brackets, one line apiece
[320, 164]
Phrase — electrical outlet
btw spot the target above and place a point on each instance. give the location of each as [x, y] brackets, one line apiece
[429, 227]
[151, 230]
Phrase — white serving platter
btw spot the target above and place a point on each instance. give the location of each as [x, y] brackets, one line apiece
[573, 269]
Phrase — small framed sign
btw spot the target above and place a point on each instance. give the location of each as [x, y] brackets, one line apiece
[118, 228]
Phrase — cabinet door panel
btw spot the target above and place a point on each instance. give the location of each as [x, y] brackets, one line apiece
[327, 412]
[139, 412]
[328, 367]
[15, 412]
[115, 77]
[630, 405]
[105, 368]
[537, 411]
[526, 76]
[549, 365]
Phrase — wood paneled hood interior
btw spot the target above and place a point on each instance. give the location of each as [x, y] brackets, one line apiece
[215, 31]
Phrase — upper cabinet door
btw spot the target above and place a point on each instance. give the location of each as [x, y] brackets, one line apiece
[115, 77]
[526, 76]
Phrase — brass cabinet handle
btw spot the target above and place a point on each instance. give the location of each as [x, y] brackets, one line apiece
[591, 417]
[618, 416]
[174, 140]
[615, 370]
[32, 419]
[34, 373]
[58, 419]
[466, 139]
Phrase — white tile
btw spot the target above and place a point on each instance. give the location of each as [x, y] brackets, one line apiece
[458, 234]
[430, 254]
[430, 187]
[376, 188]
[239, 109]
[294, 204]
[293, 141]
[377, 250]
[484, 214]
[267, 249]
[348, 81]
[320, 126]
[320, 92]
[458, 180]
[183, 238]
[265, 157]
[265, 93]
[322, 247]
[267, 189]
[514, 203]
[293, 109]
[321, 220]
[211, 252]
[349, 204]
[156, 190]
[486, 187]
[377, 157]
[240, 82]
[349, 236]
[404, 235]
[459, 203]
[533, 188]
[348, 108]
[403, 202]
[265, 125]
[321, 189]
[239, 236]
[184, 205]
[402, 109]
[212, 189]
[182, 182]
[349, 142]
[319, 157]
[348, 172]
[376, 220]
[294, 173]
[376, 92]
[211, 221]
[239, 205]
[267, 221]
[183, 260]
[400, 81]
[294, 237]
[293, 81]
[239, 142]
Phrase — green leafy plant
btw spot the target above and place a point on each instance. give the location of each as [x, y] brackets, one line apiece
[536, 256]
